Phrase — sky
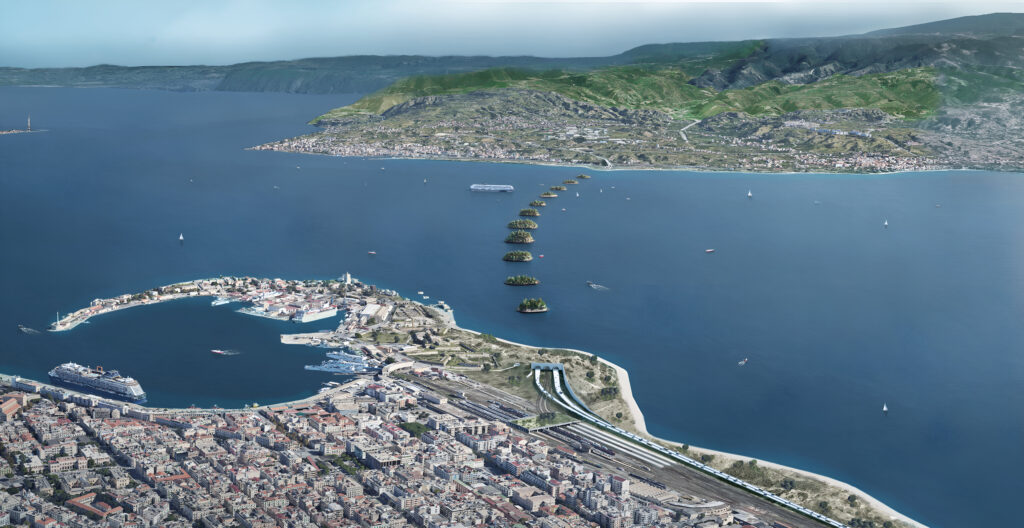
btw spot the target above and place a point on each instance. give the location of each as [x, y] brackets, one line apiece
[55, 33]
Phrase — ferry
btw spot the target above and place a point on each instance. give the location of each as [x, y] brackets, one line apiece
[220, 300]
[308, 316]
[484, 187]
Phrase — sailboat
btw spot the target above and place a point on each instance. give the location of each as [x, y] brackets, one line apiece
[885, 408]
[749, 194]
[885, 223]
[577, 195]
[181, 237]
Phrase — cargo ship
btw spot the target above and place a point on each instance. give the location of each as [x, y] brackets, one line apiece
[484, 187]
[109, 383]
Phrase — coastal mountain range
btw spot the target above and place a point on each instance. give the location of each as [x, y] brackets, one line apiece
[946, 94]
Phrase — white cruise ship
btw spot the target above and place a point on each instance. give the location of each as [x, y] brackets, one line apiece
[97, 381]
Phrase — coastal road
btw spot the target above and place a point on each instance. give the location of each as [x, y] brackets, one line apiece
[569, 404]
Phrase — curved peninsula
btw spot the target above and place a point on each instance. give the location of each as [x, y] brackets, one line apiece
[522, 224]
[529, 212]
[519, 237]
[533, 306]
[521, 280]
[517, 256]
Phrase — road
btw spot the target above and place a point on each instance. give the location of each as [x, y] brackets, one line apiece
[682, 131]
[570, 405]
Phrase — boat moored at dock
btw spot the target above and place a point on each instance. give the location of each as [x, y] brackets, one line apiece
[108, 383]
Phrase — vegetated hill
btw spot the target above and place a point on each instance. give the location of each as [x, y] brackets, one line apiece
[991, 24]
[351, 74]
[969, 55]
[908, 93]
[801, 61]
[909, 73]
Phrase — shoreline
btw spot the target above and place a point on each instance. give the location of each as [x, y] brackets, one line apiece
[680, 168]
[625, 391]
[640, 425]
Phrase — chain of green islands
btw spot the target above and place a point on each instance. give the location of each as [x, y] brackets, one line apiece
[431, 407]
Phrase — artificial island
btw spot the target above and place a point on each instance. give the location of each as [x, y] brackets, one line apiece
[443, 426]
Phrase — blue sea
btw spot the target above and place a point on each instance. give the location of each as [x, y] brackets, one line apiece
[836, 313]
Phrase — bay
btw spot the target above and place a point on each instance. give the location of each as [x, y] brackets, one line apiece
[836, 313]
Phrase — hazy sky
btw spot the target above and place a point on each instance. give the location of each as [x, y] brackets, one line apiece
[35, 33]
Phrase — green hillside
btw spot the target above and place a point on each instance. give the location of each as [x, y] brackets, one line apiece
[910, 93]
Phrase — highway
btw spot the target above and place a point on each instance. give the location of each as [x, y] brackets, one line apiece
[570, 405]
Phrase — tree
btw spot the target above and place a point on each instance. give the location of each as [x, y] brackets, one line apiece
[590, 374]
[618, 415]
[852, 499]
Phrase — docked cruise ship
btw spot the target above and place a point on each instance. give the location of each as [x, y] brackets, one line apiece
[97, 381]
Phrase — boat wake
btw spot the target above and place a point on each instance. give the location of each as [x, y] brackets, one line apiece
[30, 331]
[597, 286]
[219, 352]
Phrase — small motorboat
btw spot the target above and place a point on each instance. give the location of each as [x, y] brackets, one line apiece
[371, 252]
[709, 250]
[744, 362]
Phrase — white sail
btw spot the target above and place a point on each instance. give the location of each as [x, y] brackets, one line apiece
[885, 408]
